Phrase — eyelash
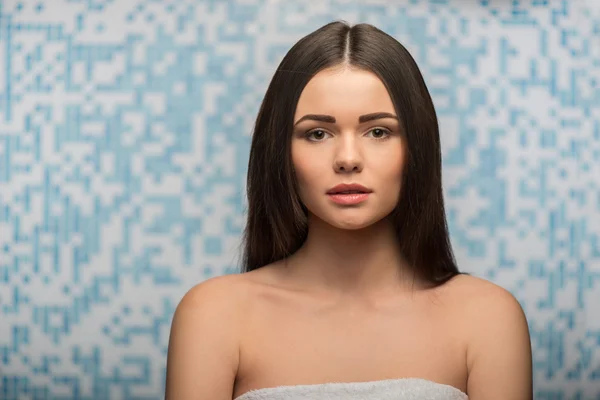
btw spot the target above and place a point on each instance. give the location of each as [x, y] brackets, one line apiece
[387, 136]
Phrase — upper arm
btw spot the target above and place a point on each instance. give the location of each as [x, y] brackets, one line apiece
[499, 348]
[203, 350]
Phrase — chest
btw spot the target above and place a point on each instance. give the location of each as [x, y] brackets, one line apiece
[287, 346]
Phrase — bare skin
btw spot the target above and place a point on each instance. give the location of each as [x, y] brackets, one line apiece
[236, 333]
[293, 335]
[345, 307]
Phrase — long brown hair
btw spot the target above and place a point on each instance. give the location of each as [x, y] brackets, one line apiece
[277, 220]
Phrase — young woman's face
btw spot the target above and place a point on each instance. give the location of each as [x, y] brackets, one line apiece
[346, 131]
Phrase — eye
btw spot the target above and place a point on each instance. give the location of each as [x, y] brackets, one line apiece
[318, 134]
[379, 133]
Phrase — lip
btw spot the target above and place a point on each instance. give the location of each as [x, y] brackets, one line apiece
[344, 187]
[348, 199]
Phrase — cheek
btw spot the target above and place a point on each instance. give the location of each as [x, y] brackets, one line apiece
[391, 165]
[307, 165]
[399, 169]
[305, 177]
[302, 170]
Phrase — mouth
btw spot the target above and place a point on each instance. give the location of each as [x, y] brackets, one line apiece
[347, 189]
[349, 194]
[349, 198]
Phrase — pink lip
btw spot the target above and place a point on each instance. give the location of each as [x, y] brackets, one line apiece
[345, 187]
[348, 199]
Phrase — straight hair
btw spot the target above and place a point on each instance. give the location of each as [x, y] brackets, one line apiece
[277, 220]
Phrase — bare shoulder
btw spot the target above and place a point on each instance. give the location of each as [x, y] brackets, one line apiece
[482, 304]
[498, 341]
[230, 294]
[222, 291]
[468, 288]
[203, 354]
[219, 299]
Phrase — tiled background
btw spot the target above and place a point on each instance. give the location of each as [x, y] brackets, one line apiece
[124, 140]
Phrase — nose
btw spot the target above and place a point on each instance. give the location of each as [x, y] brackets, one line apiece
[347, 156]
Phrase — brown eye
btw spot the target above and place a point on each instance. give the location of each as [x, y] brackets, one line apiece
[317, 134]
[379, 133]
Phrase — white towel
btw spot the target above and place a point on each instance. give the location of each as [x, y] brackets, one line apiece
[389, 389]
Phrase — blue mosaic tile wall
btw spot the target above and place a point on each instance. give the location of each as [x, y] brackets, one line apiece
[124, 140]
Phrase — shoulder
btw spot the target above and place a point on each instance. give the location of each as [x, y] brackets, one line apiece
[203, 353]
[214, 295]
[497, 336]
[483, 307]
[477, 293]
[485, 301]
[224, 299]
[212, 309]
[486, 306]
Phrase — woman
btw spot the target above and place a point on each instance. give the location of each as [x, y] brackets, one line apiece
[350, 288]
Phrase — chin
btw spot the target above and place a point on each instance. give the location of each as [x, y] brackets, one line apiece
[353, 223]
[351, 219]
[351, 226]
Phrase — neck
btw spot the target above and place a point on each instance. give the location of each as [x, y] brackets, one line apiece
[365, 262]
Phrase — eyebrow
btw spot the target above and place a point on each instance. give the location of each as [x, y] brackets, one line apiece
[330, 119]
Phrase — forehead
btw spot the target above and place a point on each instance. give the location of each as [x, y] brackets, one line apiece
[344, 93]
